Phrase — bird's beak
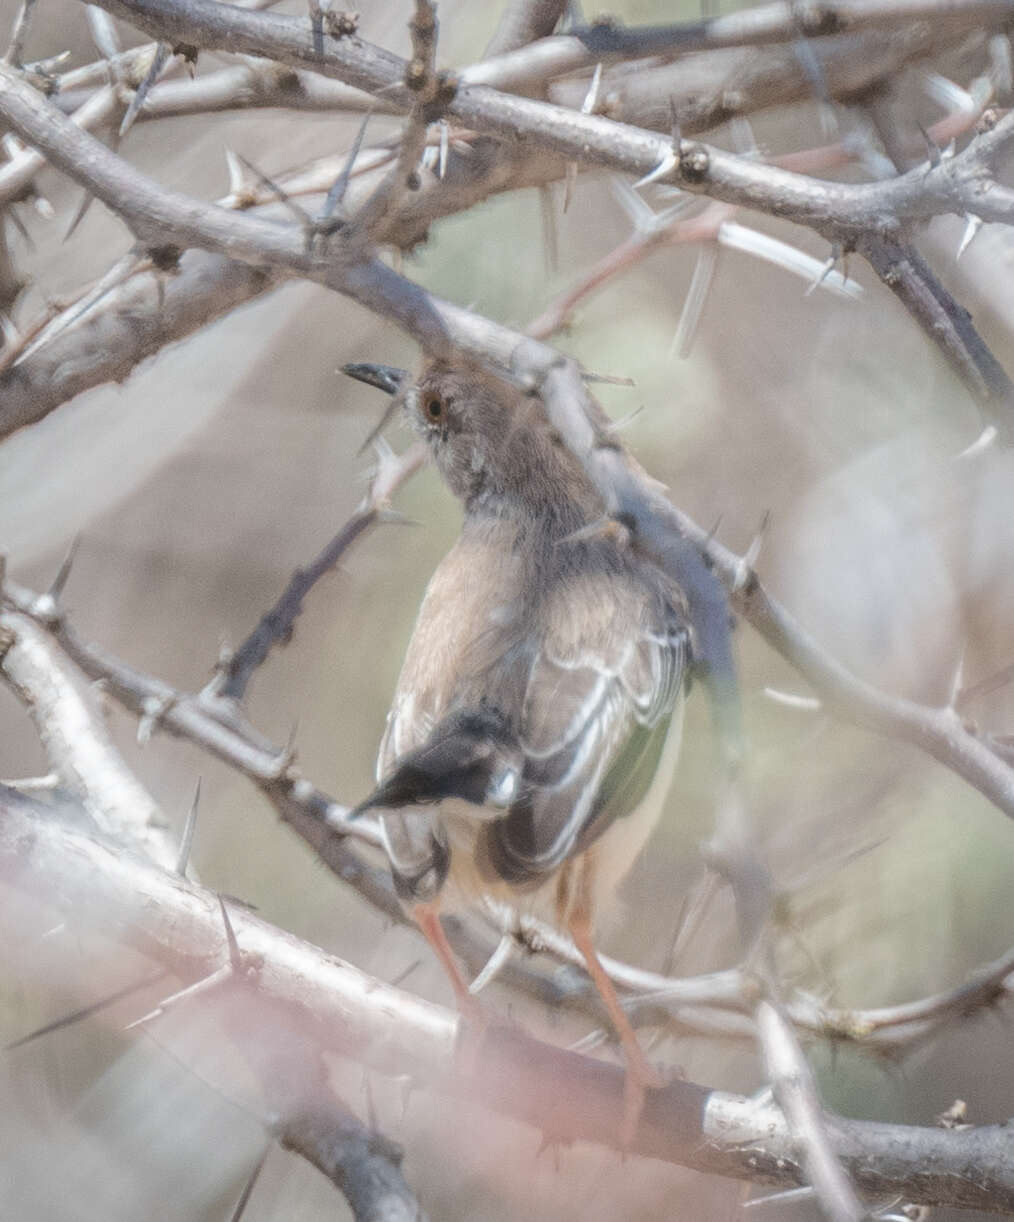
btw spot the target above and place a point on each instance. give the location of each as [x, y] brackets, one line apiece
[383, 377]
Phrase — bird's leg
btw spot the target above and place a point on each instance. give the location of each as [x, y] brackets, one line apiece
[640, 1073]
[427, 917]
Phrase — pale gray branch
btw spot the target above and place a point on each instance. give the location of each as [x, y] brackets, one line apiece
[75, 740]
[444, 329]
[179, 925]
[956, 185]
[752, 27]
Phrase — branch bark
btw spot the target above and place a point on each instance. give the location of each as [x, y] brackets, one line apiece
[567, 1095]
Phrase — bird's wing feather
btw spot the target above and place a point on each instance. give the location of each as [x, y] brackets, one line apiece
[600, 693]
[465, 626]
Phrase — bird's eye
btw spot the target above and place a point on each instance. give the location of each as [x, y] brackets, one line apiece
[434, 409]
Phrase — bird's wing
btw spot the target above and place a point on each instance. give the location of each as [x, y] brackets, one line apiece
[431, 748]
[600, 694]
[467, 624]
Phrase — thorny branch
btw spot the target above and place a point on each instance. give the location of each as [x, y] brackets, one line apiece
[40, 382]
[871, 217]
[715, 1005]
[839, 210]
[179, 925]
[276, 626]
[443, 328]
[306, 1117]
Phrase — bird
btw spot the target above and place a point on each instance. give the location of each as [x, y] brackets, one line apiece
[536, 721]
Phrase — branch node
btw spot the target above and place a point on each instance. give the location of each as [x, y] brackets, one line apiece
[341, 24]
[153, 711]
[694, 163]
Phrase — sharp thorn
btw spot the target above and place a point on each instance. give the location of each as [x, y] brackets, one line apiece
[341, 183]
[592, 96]
[494, 964]
[394, 517]
[972, 227]
[68, 1020]
[606, 379]
[55, 591]
[163, 50]
[300, 214]
[372, 1122]
[569, 182]
[248, 1187]
[235, 954]
[379, 427]
[933, 152]
[188, 833]
[444, 146]
[983, 442]
[79, 215]
[666, 166]
[217, 977]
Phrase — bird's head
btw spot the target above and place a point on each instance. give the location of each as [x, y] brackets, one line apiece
[487, 438]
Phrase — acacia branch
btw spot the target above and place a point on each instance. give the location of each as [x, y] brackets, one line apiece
[276, 625]
[753, 27]
[118, 326]
[79, 749]
[179, 925]
[306, 1116]
[445, 330]
[872, 210]
[835, 209]
[716, 1005]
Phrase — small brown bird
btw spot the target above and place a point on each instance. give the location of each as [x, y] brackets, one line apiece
[537, 717]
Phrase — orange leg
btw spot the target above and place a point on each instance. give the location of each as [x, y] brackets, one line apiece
[641, 1075]
[427, 917]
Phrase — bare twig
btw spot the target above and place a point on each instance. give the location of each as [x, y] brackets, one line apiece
[796, 1093]
[431, 91]
[523, 21]
[362, 1163]
[22, 23]
[948, 324]
[276, 626]
[757, 26]
[76, 742]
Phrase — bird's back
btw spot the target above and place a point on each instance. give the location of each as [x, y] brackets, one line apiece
[581, 647]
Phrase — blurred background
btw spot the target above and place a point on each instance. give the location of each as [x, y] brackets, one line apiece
[199, 485]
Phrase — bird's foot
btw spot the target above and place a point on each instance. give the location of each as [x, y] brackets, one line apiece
[640, 1077]
[475, 1023]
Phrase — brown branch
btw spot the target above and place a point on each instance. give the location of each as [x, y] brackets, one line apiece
[78, 350]
[42, 383]
[275, 627]
[874, 209]
[946, 323]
